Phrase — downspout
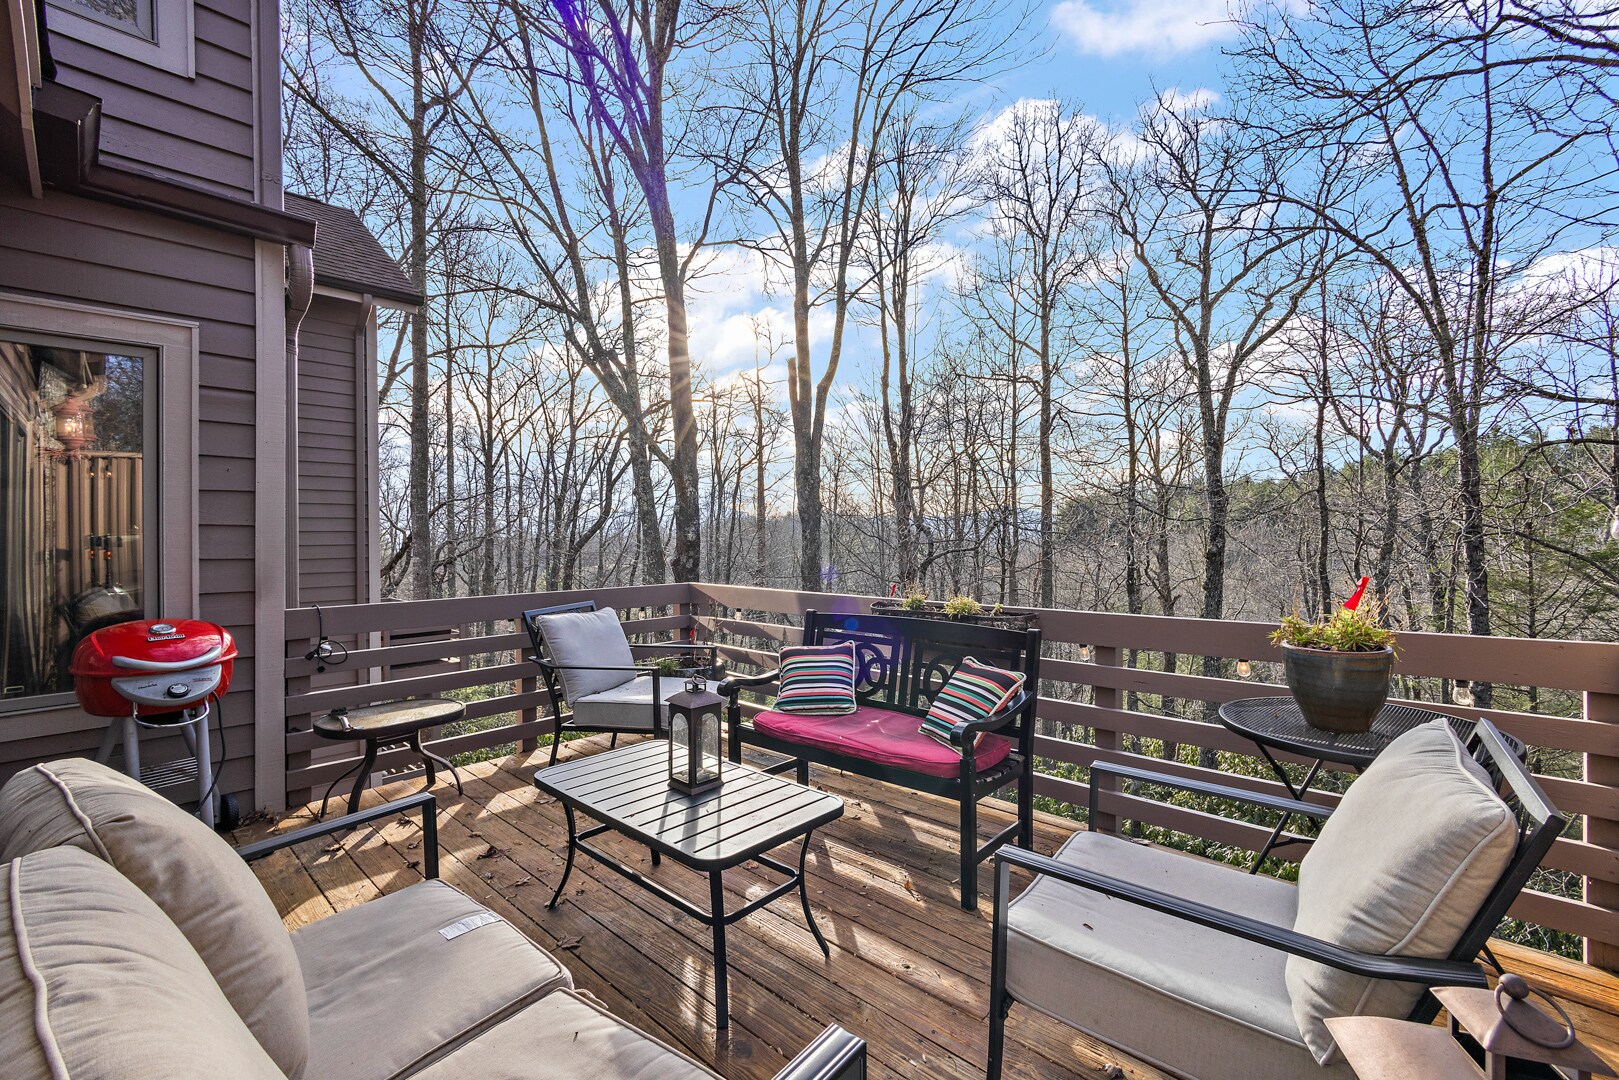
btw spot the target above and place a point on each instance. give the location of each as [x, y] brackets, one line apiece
[365, 465]
[300, 292]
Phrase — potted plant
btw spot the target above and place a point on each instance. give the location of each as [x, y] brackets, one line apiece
[1339, 666]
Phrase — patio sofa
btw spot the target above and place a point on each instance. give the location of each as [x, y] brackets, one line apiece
[900, 664]
[138, 945]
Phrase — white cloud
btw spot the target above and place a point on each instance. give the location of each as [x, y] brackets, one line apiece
[1158, 27]
[1179, 101]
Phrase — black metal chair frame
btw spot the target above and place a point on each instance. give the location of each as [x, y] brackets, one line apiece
[1539, 825]
[553, 681]
[834, 1054]
[901, 664]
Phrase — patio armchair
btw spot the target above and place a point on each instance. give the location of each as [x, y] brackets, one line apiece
[589, 662]
[136, 945]
[1213, 974]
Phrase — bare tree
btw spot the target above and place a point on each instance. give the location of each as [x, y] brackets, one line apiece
[1472, 162]
[1037, 181]
[824, 80]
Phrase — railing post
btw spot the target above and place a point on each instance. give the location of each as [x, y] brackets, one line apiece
[1602, 832]
[1107, 697]
[295, 687]
[528, 714]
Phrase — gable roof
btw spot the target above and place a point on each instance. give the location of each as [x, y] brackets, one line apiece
[349, 257]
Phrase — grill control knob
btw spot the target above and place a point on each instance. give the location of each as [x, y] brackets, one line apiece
[179, 690]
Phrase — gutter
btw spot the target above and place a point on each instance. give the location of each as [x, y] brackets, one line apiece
[67, 126]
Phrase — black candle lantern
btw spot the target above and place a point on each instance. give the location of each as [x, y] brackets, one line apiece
[694, 738]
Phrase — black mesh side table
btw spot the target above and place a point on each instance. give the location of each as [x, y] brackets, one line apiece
[1275, 723]
[750, 813]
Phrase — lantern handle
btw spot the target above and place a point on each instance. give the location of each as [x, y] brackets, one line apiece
[1518, 990]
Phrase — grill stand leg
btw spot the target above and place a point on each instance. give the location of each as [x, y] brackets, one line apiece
[206, 806]
[132, 747]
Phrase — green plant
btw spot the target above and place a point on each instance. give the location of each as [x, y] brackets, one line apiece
[669, 665]
[915, 600]
[958, 605]
[1344, 630]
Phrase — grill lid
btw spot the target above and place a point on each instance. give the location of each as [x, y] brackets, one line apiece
[173, 644]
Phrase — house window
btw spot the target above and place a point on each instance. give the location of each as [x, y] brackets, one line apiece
[78, 499]
[137, 17]
[155, 32]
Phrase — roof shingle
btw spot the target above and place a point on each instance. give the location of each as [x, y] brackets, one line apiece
[348, 256]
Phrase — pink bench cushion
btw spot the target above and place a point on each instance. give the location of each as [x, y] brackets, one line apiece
[882, 736]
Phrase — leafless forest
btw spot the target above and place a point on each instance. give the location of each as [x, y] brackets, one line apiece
[1353, 314]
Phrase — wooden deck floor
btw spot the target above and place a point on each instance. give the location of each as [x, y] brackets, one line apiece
[908, 970]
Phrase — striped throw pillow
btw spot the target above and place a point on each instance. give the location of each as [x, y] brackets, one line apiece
[974, 692]
[817, 680]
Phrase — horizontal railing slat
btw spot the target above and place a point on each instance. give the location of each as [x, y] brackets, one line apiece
[456, 611]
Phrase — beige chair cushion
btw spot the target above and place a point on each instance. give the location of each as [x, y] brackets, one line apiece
[96, 983]
[592, 638]
[626, 707]
[565, 1037]
[1191, 1001]
[193, 875]
[1400, 868]
[387, 990]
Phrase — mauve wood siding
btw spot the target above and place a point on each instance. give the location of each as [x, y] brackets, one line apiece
[199, 131]
[332, 537]
[74, 249]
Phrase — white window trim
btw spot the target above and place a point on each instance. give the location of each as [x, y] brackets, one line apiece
[175, 342]
[174, 50]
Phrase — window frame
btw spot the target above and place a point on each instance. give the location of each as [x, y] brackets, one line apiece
[173, 48]
[172, 345]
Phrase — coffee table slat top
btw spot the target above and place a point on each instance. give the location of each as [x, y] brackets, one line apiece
[750, 812]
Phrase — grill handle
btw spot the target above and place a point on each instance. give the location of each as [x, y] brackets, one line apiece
[178, 665]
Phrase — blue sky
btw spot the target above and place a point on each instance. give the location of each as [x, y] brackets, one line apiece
[1102, 56]
[1108, 54]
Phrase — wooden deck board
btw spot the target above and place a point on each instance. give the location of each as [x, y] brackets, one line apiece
[908, 971]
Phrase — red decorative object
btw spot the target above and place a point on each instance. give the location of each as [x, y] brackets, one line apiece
[1354, 601]
[152, 666]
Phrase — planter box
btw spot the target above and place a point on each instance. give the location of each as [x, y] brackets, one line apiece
[934, 609]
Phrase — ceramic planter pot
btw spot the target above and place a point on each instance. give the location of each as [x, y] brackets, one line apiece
[1338, 691]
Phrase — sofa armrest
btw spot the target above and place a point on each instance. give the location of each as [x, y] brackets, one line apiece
[1000, 718]
[1372, 966]
[732, 685]
[422, 799]
[834, 1055]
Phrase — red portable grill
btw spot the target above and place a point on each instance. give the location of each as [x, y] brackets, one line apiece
[157, 674]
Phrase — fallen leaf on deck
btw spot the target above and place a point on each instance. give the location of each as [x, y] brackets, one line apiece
[413, 864]
[520, 882]
[568, 943]
[1112, 1072]
[490, 852]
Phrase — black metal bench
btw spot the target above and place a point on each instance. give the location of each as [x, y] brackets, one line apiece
[900, 664]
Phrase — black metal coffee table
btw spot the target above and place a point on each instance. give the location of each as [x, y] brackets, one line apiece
[1275, 723]
[750, 813]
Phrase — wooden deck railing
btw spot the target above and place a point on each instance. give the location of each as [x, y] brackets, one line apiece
[1085, 708]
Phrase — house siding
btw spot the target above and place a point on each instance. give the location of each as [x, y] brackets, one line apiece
[199, 131]
[332, 531]
[64, 247]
